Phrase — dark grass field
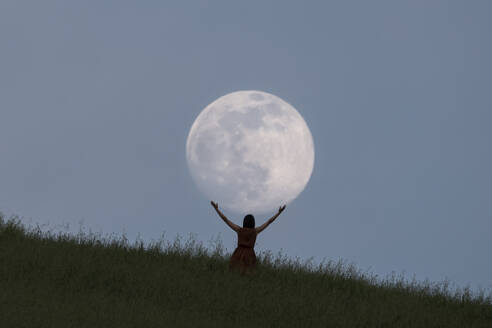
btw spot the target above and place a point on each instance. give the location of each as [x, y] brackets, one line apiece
[57, 280]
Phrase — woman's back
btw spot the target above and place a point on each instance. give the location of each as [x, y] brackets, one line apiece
[244, 257]
[246, 237]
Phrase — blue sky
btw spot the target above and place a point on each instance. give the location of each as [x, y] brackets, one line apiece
[97, 98]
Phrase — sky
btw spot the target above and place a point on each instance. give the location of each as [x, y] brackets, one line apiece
[97, 99]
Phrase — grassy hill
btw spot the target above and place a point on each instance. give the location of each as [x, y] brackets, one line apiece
[57, 280]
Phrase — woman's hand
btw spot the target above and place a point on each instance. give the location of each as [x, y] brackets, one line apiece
[214, 205]
[281, 209]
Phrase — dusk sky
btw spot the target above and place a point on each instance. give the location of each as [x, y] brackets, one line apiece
[97, 99]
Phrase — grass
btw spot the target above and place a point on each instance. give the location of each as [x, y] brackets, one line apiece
[60, 280]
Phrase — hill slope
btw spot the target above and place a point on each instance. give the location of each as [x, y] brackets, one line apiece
[49, 280]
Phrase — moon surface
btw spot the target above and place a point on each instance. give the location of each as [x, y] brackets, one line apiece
[250, 151]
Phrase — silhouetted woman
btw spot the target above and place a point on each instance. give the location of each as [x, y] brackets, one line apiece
[244, 257]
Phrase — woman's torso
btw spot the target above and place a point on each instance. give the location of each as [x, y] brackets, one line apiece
[246, 237]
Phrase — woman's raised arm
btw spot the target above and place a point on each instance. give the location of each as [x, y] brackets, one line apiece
[266, 224]
[233, 226]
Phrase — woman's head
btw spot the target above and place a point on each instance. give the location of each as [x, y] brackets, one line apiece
[249, 221]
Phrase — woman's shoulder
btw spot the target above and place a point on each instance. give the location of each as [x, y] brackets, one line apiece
[247, 230]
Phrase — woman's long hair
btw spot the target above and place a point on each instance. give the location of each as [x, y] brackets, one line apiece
[249, 221]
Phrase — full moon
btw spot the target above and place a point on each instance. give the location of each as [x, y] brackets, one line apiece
[250, 151]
